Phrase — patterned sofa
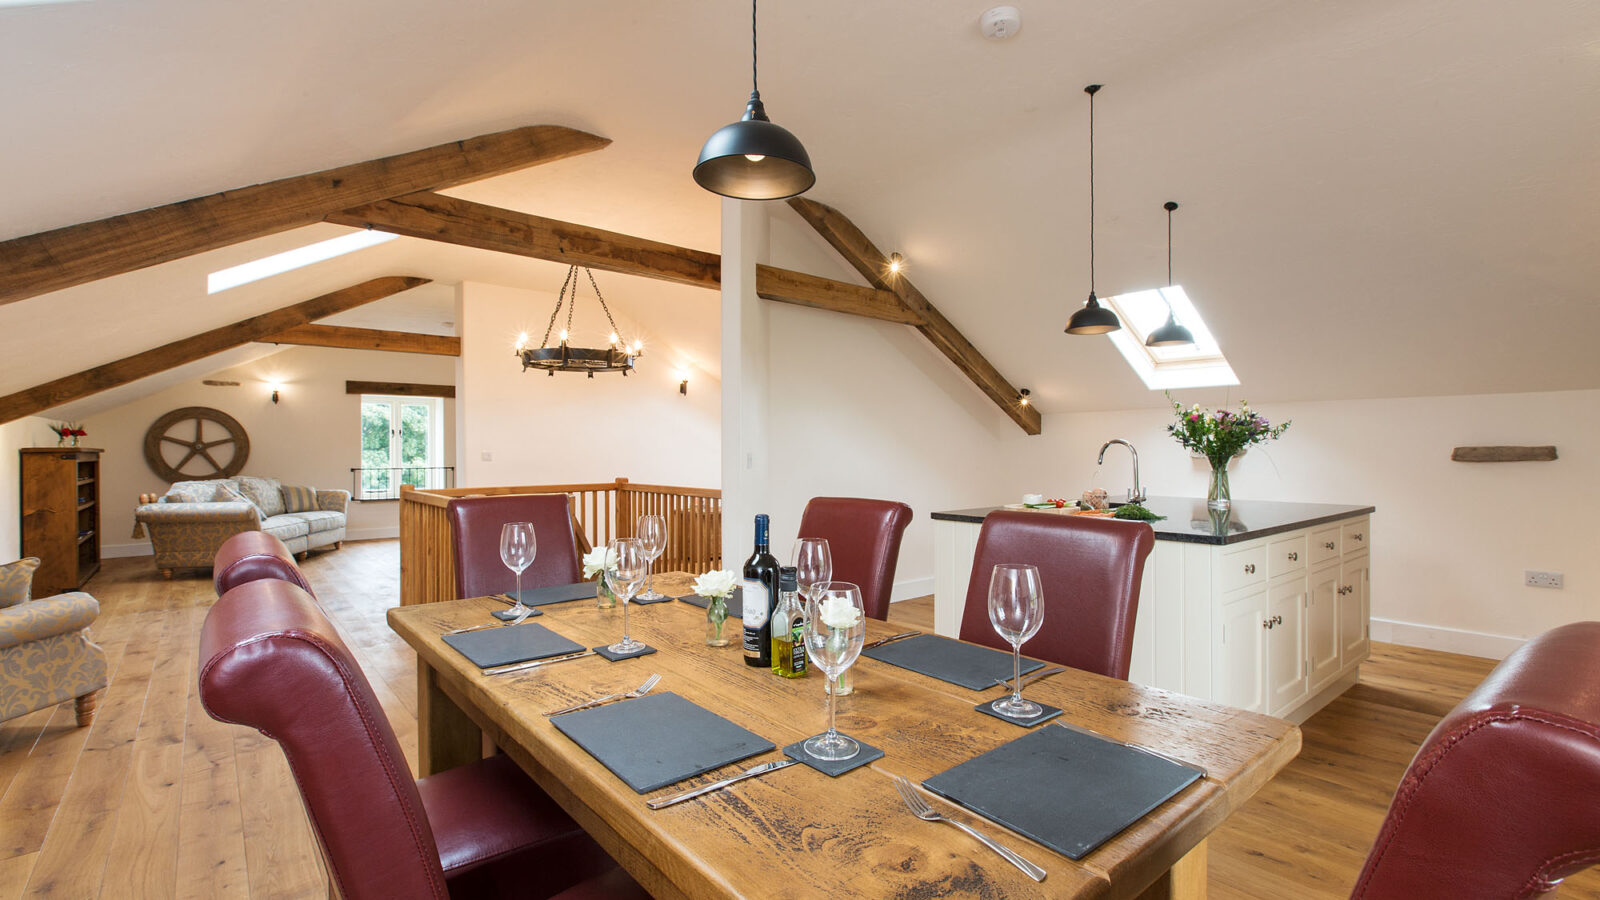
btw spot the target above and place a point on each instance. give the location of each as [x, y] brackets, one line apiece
[188, 524]
[46, 656]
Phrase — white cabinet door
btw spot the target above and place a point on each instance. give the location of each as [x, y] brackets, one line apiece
[1240, 664]
[1323, 646]
[1353, 610]
[1286, 641]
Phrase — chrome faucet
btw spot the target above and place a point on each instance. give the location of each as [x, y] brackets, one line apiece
[1135, 493]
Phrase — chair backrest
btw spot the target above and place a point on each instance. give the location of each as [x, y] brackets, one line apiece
[270, 659]
[1501, 799]
[475, 524]
[252, 555]
[1089, 571]
[864, 540]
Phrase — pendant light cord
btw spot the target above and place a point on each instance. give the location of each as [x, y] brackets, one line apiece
[754, 88]
[1169, 208]
[1091, 89]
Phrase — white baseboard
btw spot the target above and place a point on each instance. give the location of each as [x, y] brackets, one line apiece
[117, 551]
[1451, 640]
[911, 588]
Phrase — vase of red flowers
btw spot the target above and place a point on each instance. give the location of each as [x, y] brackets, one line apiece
[1219, 436]
[68, 433]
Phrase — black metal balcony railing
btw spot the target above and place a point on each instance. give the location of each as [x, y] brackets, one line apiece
[384, 483]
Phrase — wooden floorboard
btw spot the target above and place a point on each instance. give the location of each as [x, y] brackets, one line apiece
[157, 799]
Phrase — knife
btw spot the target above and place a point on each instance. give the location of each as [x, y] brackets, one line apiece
[1030, 677]
[889, 640]
[518, 667]
[751, 772]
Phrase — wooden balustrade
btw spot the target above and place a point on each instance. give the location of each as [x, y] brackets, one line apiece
[600, 512]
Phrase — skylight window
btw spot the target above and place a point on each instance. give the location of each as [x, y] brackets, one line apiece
[278, 263]
[1200, 364]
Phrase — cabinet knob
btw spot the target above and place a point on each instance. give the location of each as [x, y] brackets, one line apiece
[1249, 568]
[1266, 623]
[1328, 545]
[1293, 556]
[1277, 620]
[1359, 536]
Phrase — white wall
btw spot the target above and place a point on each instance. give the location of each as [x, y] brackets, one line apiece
[30, 431]
[312, 436]
[1450, 540]
[543, 429]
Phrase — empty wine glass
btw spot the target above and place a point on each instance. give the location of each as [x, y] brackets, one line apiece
[625, 579]
[1016, 610]
[652, 532]
[518, 546]
[813, 564]
[835, 629]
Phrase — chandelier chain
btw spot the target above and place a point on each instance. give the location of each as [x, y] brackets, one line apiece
[560, 299]
[603, 307]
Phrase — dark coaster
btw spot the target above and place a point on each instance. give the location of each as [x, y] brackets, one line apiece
[832, 768]
[735, 602]
[662, 599]
[1050, 712]
[506, 615]
[605, 650]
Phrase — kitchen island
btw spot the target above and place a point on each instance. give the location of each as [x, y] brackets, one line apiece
[1265, 606]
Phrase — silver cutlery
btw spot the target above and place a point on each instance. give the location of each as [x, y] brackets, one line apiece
[517, 621]
[920, 808]
[518, 667]
[751, 772]
[1031, 677]
[634, 694]
[890, 639]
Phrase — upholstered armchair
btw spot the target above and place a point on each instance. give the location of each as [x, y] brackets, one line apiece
[45, 652]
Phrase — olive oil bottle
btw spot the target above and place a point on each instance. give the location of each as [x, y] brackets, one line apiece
[788, 627]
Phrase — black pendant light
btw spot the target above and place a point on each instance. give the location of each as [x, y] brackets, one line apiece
[753, 159]
[1092, 318]
[1171, 334]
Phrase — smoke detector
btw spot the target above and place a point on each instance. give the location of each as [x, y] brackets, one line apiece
[1000, 22]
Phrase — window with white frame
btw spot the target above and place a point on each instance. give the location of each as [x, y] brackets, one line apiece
[1200, 364]
[402, 442]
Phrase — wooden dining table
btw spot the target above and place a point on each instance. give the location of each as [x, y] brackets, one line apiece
[797, 832]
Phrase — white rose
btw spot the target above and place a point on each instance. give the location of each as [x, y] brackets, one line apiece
[597, 559]
[715, 584]
[839, 612]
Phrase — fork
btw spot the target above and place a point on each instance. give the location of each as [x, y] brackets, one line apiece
[920, 808]
[517, 621]
[637, 692]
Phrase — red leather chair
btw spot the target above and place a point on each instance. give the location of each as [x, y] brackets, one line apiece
[1089, 571]
[475, 524]
[252, 555]
[271, 660]
[864, 539]
[1503, 799]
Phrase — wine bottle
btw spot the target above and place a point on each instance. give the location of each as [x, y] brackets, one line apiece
[760, 595]
[788, 627]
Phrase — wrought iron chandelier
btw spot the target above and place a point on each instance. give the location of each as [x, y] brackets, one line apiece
[619, 356]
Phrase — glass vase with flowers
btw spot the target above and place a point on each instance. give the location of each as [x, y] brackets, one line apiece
[1219, 436]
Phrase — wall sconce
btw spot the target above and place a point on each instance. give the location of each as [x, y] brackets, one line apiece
[683, 387]
[275, 388]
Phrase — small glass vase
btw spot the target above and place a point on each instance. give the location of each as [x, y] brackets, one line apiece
[602, 594]
[716, 622]
[1218, 494]
[841, 686]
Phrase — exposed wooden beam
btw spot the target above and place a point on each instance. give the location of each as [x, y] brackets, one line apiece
[76, 254]
[873, 265]
[177, 353]
[367, 339]
[451, 220]
[403, 388]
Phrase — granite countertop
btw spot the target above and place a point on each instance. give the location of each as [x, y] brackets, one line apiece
[1188, 519]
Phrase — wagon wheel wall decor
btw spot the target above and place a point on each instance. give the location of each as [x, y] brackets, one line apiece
[200, 438]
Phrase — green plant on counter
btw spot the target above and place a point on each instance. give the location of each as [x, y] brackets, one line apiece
[1137, 512]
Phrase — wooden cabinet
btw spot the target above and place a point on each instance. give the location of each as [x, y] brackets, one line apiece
[61, 516]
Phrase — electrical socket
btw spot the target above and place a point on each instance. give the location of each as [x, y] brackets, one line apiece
[1531, 578]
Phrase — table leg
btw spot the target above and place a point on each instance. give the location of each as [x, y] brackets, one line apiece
[1186, 880]
[446, 736]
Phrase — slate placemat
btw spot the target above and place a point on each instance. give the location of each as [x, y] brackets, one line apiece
[556, 593]
[969, 665]
[510, 644]
[1068, 790]
[735, 602]
[659, 739]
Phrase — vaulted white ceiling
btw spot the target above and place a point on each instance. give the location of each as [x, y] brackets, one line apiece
[1378, 198]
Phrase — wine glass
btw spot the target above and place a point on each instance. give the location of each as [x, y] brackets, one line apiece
[518, 546]
[652, 532]
[625, 579]
[1016, 610]
[813, 565]
[835, 629]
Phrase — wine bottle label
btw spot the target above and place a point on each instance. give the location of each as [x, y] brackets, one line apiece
[755, 604]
